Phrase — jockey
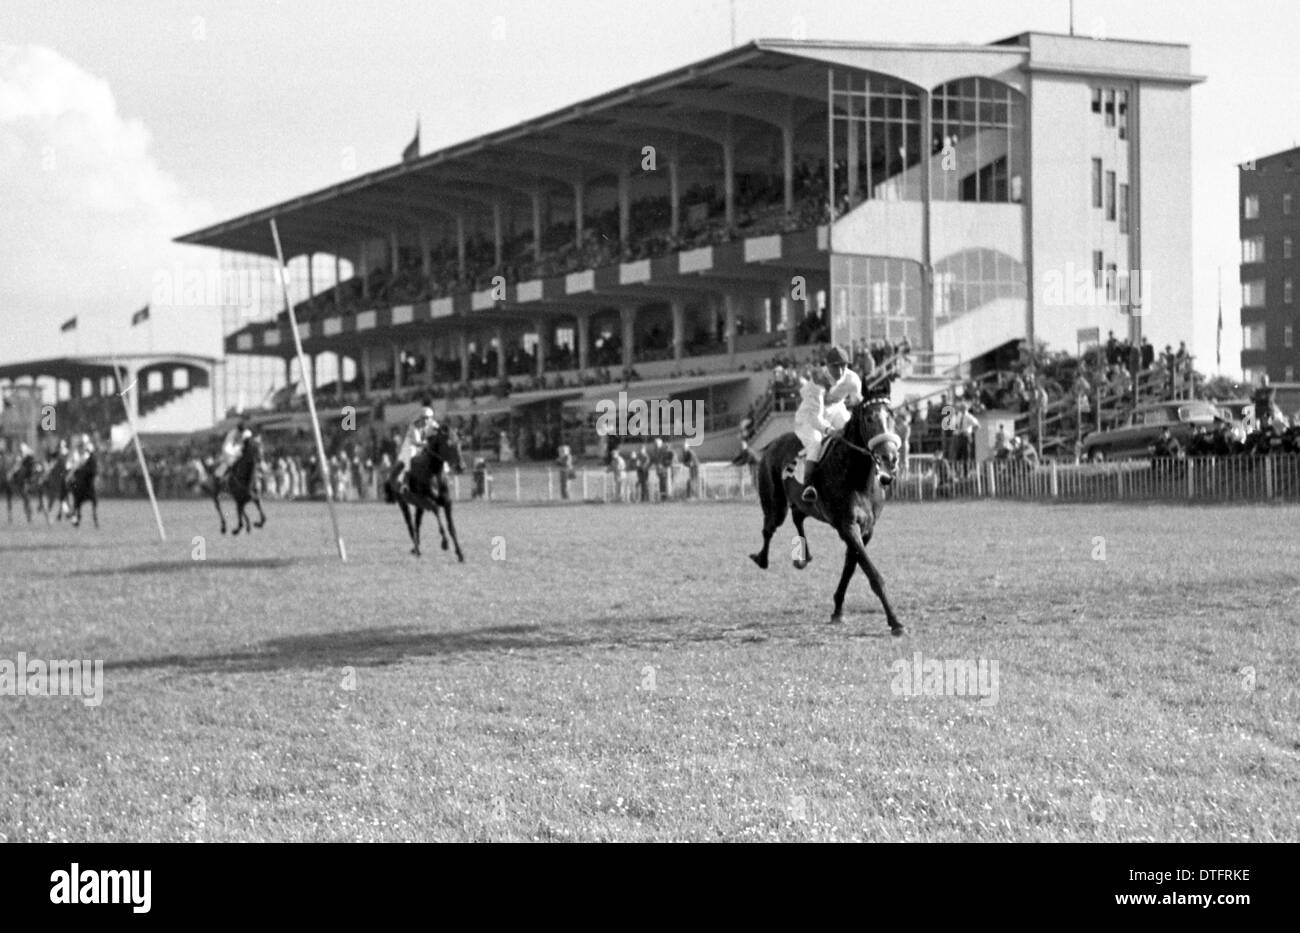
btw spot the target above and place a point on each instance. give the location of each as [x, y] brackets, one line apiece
[82, 448]
[811, 424]
[421, 429]
[843, 390]
[232, 448]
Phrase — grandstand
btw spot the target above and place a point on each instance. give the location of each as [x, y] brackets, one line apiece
[173, 394]
[684, 233]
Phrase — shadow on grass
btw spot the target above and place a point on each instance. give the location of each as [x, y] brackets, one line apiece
[391, 644]
[176, 566]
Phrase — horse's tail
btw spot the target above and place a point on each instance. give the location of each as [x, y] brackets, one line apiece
[771, 490]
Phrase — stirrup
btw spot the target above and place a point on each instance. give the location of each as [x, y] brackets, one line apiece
[809, 494]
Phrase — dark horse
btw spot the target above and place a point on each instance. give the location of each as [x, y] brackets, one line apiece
[850, 496]
[242, 483]
[426, 488]
[81, 487]
[18, 477]
[52, 486]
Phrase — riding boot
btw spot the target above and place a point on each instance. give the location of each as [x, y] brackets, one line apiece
[810, 477]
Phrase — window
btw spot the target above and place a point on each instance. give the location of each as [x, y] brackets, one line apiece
[1290, 374]
[1287, 290]
[1286, 203]
[1286, 248]
[1252, 337]
[1096, 100]
[1096, 182]
[1250, 207]
[1111, 272]
[1110, 106]
[1252, 249]
[1287, 336]
[1098, 268]
[1252, 293]
[1110, 195]
[1123, 208]
[1123, 114]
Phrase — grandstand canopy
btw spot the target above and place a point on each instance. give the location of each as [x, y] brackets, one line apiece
[748, 92]
[72, 368]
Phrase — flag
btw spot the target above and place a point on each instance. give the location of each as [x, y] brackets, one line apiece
[1218, 337]
[412, 151]
[140, 316]
[69, 324]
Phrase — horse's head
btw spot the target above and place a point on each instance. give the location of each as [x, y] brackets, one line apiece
[871, 428]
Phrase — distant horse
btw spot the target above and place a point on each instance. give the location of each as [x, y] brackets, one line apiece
[243, 485]
[21, 479]
[81, 487]
[850, 496]
[427, 490]
[52, 486]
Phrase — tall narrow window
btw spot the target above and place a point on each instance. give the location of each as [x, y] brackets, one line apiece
[1287, 336]
[1287, 290]
[1096, 182]
[1286, 203]
[1286, 248]
[1123, 114]
[1252, 293]
[1252, 249]
[1110, 195]
[1249, 207]
[1290, 374]
[1112, 272]
[1123, 208]
[1096, 100]
[1110, 106]
[1098, 268]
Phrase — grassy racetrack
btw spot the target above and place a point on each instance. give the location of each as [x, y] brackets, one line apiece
[626, 673]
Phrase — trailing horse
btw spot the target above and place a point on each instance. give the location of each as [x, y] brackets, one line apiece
[81, 487]
[51, 487]
[426, 488]
[850, 498]
[242, 483]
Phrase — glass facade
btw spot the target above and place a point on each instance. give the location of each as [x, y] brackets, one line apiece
[978, 125]
[877, 127]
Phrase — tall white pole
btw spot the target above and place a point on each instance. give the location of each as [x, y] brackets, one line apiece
[124, 394]
[311, 398]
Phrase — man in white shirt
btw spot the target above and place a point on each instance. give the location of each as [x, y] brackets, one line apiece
[232, 447]
[965, 428]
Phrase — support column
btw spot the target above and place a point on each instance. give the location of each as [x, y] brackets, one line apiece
[678, 307]
[462, 340]
[311, 278]
[311, 370]
[426, 263]
[364, 360]
[428, 360]
[628, 315]
[338, 279]
[729, 172]
[729, 302]
[624, 206]
[364, 270]
[787, 156]
[577, 211]
[501, 352]
[545, 336]
[674, 198]
[393, 254]
[460, 243]
[496, 233]
[397, 366]
[288, 371]
[537, 225]
[584, 337]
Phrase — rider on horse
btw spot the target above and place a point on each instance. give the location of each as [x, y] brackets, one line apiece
[232, 448]
[422, 427]
[82, 448]
[824, 412]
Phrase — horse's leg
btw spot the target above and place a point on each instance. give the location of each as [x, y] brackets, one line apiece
[772, 496]
[442, 531]
[855, 538]
[419, 520]
[806, 554]
[216, 501]
[94, 509]
[451, 526]
[410, 526]
[850, 565]
[261, 516]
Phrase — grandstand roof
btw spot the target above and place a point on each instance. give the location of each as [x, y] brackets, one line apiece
[759, 86]
[90, 367]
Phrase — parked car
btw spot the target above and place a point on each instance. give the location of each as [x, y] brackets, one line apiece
[1143, 428]
[1234, 410]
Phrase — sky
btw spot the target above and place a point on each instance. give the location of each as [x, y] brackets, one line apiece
[124, 125]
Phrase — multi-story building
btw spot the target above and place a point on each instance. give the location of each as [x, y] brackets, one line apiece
[1270, 266]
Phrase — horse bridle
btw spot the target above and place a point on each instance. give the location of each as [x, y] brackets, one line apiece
[860, 449]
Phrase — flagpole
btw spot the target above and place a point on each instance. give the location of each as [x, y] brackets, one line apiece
[1218, 335]
[135, 437]
[311, 398]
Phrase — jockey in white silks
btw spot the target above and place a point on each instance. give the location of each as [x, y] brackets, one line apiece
[81, 450]
[232, 448]
[421, 429]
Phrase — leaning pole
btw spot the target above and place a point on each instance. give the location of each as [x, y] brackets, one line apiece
[311, 398]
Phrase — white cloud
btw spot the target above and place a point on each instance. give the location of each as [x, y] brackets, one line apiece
[88, 215]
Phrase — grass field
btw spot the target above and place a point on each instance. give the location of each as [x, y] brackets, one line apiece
[625, 673]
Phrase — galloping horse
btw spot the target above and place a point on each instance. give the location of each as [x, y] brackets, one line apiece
[52, 486]
[426, 488]
[81, 487]
[850, 495]
[21, 478]
[243, 484]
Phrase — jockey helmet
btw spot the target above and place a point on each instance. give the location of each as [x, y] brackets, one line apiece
[835, 357]
[426, 414]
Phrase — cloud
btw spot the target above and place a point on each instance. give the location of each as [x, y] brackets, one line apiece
[88, 213]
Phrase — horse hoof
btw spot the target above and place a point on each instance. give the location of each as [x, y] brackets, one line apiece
[897, 631]
[800, 564]
[837, 618]
[460, 557]
[760, 560]
[446, 546]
